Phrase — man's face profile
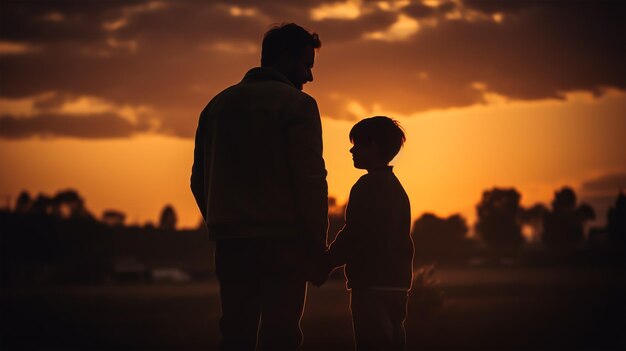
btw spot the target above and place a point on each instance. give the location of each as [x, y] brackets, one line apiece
[300, 72]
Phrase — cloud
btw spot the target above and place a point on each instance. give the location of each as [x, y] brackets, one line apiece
[536, 53]
[231, 48]
[13, 48]
[492, 7]
[347, 10]
[96, 126]
[419, 10]
[22, 107]
[51, 22]
[339, 31]
[173, 56]
[601, 193]
[607, 184]
[402, 29]
[61, 115]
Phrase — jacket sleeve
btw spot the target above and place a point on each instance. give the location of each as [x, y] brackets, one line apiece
[304, 151]
[198, 185]
[340, 247]
[354, 233]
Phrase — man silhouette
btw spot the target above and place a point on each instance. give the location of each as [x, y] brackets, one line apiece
[260, 182]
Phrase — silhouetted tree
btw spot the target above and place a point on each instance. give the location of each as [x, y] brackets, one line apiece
[69, 204]
[24, 203]
[336, 218]
[43, 205]
[440, 238]
[498, 216]
[168, 218]
[39, 246]
[564, 225]
[616, 223]
[534, 217]
[113, 218]
[332, 202]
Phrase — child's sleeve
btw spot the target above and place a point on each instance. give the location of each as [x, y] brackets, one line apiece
[347, 241]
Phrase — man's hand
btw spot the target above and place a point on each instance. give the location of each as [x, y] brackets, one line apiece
[320, 270]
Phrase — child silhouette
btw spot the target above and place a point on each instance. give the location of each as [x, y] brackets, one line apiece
[375, 244]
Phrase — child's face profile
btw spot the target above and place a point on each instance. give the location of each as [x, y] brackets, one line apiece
[366, 156]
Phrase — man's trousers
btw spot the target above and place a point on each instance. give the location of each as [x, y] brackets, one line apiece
[262, 292]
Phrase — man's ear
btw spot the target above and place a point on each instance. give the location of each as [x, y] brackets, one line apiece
[285, 61]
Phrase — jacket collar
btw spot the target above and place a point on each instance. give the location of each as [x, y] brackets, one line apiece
[385, 169]
[265, 73]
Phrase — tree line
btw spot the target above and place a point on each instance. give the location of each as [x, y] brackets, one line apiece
[58, 238]
[500, 224]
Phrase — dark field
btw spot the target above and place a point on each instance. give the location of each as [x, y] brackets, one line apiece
[484, 309]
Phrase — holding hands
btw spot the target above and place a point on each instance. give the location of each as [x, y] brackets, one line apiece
[321, 267]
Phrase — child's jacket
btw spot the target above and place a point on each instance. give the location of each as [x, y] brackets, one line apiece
[375, 244]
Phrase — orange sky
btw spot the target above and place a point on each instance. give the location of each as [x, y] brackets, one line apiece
[449, 159]
[490, 94]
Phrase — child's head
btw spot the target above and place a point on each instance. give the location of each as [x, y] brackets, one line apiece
[377, 140]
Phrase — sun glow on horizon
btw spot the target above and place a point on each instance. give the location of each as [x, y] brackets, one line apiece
[450, 157]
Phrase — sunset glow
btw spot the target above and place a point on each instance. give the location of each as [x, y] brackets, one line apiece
[490, 94]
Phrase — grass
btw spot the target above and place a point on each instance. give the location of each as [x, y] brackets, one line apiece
[483, 309]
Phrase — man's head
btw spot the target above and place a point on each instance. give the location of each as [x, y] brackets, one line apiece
[377, 140]
[290, 49]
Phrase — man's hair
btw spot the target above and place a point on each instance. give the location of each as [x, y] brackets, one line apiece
[286, 37]
[383, 131]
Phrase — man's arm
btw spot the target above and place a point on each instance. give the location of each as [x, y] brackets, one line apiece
[340, 248]
[304, 148]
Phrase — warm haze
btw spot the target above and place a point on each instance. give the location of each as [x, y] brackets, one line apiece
[104, 96]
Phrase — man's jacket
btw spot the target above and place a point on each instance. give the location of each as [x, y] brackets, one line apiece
[258, 169]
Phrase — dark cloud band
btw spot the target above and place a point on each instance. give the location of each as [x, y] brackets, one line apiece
[149, 53]
[97, 126]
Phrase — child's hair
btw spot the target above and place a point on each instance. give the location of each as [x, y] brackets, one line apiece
[383, 131]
